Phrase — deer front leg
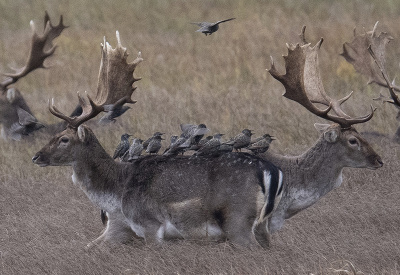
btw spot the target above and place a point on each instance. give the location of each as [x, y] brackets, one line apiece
[116, 231]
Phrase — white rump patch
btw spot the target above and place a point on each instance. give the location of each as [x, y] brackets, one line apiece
[267, 180]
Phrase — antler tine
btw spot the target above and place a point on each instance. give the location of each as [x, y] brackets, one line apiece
[89, 111]
[41, 48]
[303, 84]
[302, 36]
[57, 113]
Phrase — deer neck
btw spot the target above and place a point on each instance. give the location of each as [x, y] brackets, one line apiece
[309, 176]
[99, 176]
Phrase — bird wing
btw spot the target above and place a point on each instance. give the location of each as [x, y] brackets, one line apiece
[187, 127]
[222, 21]
[16, 131]
[202, 24]
[24, 117]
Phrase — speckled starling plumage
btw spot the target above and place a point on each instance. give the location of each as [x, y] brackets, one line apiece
[177, 147]
[241, 140]
[146, 143]
[261, 145]
[135, 150]
[201, 143]
[211, 147]
[154, 145]
[173, 139]
[122, 147]
[208, 28]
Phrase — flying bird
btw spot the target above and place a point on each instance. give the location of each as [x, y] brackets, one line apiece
[208, 28]
[26, 124]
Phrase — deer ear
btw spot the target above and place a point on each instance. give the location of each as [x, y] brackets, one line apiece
[321, 127]
[82, 133]
[330, 135]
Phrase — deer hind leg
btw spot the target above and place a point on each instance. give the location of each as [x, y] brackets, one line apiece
[239, 230]
[263, 237]
[116, 231]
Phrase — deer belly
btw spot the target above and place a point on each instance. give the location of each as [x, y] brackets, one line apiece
[190, 220]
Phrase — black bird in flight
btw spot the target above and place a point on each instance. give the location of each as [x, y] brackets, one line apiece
[208, 28]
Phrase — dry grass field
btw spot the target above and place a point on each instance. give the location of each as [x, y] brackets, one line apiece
[219, 80]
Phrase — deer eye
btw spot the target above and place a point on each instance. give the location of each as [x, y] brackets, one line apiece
[353, 141]
[64, 139]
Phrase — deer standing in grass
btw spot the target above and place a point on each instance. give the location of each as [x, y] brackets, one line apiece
[160, 197]
[15, 115]
[313, 174]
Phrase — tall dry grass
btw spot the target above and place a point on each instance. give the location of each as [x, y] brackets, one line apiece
[219, 80]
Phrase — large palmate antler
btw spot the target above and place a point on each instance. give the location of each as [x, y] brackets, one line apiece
[367, 49]
[356, 53]
[41, 48]
[114, 85]
[303, 84]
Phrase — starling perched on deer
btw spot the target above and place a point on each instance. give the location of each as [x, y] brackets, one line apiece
[211, 147]
[135, 150]
[241, 140]
[177, 147]
[200, 144]
[173, 139]
[154, 145]
[261, 144]
[146, 143]
[193, 134]
[208, 28]
[122, 147]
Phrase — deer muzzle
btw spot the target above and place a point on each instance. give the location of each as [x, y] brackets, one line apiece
[40, 159]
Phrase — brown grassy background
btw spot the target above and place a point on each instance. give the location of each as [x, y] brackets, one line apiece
[219, 80]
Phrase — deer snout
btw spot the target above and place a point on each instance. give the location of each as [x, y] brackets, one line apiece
[376, 161]
[39, 159]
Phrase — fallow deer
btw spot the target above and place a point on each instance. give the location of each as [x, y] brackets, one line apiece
[15, 115]
[366, 50]
[311, 175]
[160, 197]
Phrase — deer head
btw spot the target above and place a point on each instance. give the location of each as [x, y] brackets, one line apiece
[303, 85]
[114, 88]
